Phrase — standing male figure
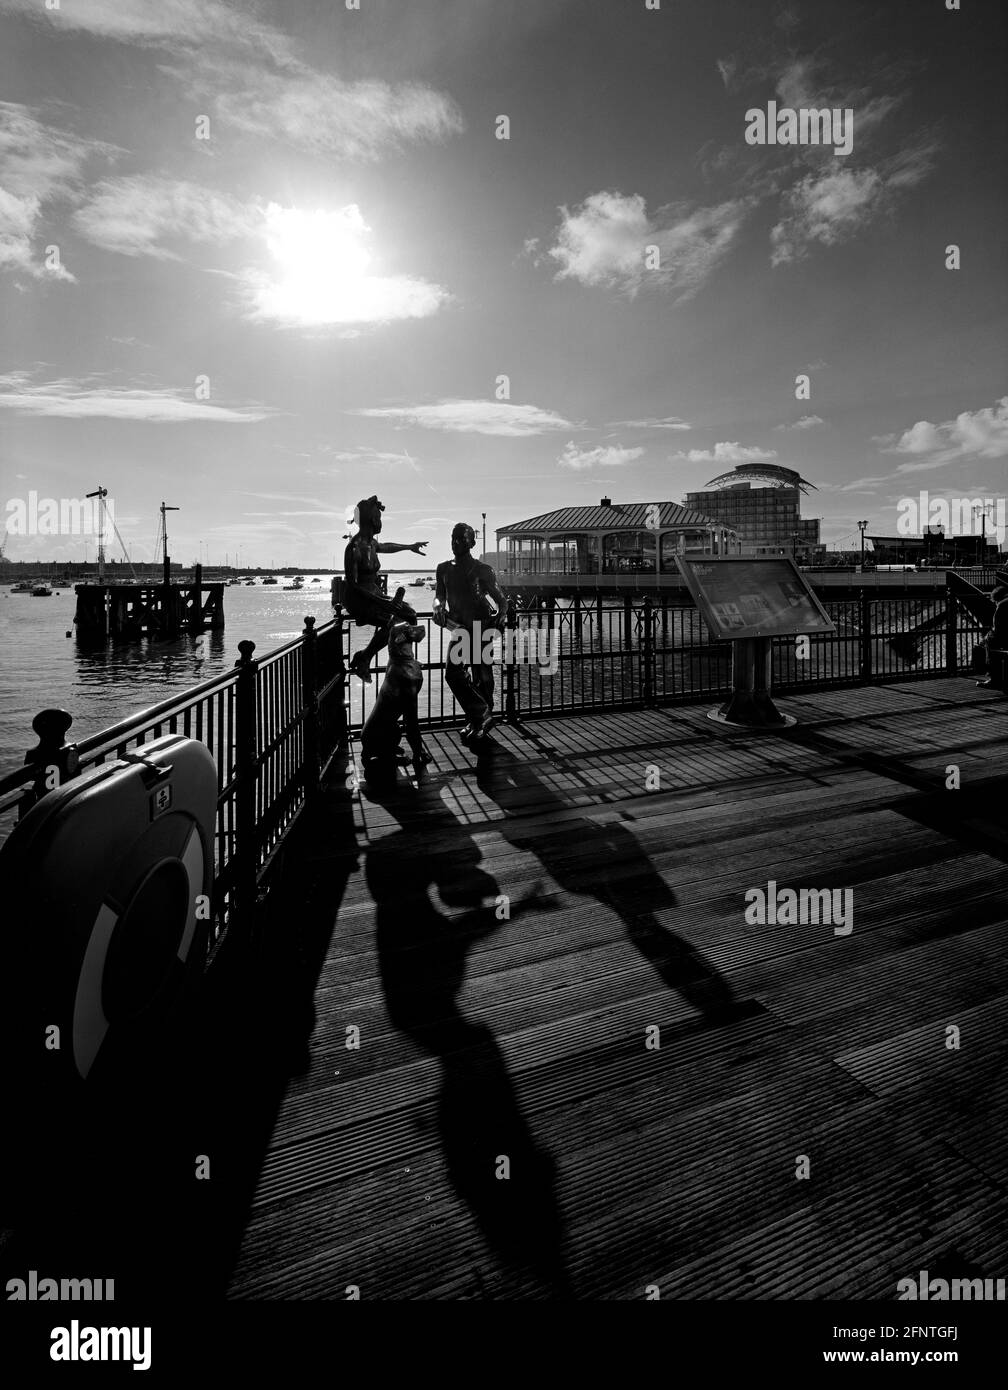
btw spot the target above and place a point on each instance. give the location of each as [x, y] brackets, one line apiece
[364, 599]
[466, 592]
[997, 639]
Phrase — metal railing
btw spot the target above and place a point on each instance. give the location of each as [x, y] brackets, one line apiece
[272, 724]
[617, 654]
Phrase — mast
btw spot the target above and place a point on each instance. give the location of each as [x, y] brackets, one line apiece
[166, 563]
[101, 494]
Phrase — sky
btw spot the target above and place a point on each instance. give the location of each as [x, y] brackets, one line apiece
[262, 260]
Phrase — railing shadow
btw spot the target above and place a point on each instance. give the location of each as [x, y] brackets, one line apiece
[149, 1178]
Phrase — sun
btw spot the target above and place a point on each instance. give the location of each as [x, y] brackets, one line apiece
[320, 273]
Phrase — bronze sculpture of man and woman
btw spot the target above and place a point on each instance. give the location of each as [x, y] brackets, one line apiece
[468, 601]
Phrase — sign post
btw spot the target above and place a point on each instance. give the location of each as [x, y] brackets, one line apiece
[748, 602]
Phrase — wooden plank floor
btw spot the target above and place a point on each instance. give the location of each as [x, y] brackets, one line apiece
[487, 1037]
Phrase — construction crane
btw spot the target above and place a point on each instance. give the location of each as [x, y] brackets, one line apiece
[105, 515]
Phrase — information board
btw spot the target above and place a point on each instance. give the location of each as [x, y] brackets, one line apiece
[744, 597]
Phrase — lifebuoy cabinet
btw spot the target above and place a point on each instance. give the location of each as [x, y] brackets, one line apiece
[113, 869]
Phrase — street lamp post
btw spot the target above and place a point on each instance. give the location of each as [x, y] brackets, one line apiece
[484, 537]
[862, 527]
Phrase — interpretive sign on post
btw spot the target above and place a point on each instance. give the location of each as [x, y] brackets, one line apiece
[748, 601]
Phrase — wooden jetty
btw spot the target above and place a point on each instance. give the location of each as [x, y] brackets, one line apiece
[526, 1038]
[163, 611]
[396, 1036]
[508, 1033]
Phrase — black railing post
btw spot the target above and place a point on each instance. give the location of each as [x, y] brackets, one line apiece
[510, 661]
[246, 780]
[866, 636]
[626, 662]
[309, 697]
[951, 632]
[342, 724]
[54, 760]
[648, 690]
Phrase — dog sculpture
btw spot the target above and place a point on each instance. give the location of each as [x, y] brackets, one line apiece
[397, 698]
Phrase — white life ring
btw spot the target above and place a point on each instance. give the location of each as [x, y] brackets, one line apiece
[114, 864]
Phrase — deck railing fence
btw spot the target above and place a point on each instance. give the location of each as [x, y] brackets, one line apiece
[275, 723]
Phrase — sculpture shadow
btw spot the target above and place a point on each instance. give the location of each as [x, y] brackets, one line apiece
[575, 854]
[490, 1155]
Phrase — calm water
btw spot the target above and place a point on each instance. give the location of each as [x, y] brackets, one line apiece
[41, 667]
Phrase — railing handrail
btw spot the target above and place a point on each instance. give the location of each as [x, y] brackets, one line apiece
[160, 713]
[275, 723]
[176, 705]
[297, 641]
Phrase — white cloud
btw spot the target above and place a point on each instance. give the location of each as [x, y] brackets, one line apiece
[137, 216]
[474, 417]
[834, 205]
[601, 457]
[253, 78]
[825, 208]
[36, 159]
[320, 274]
[355, 120]
[18, 226]
[798, 85]
[667, 422]
[602, 242]
[807, 422]
[728, 453]
[178, 24]
[855, 485]
[727, 68]
[37, 164]
[78, 400]
[368, 456]
[976, 434]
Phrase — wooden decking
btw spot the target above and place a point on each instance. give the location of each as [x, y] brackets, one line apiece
[483, 1039]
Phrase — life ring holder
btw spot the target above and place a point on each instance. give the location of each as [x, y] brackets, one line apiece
[115, 863]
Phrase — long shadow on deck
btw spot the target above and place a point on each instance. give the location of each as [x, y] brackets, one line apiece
[109, 1187]
[973, 814]
[577, 856]
[422, 959]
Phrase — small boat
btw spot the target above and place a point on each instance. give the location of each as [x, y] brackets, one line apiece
[249, 583]
[23, 586]
[316, 580]
[41, 590]
[416, 583]
[270, 579]
[298, 584]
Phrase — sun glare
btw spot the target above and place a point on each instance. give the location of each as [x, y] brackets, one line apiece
[320, 272]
